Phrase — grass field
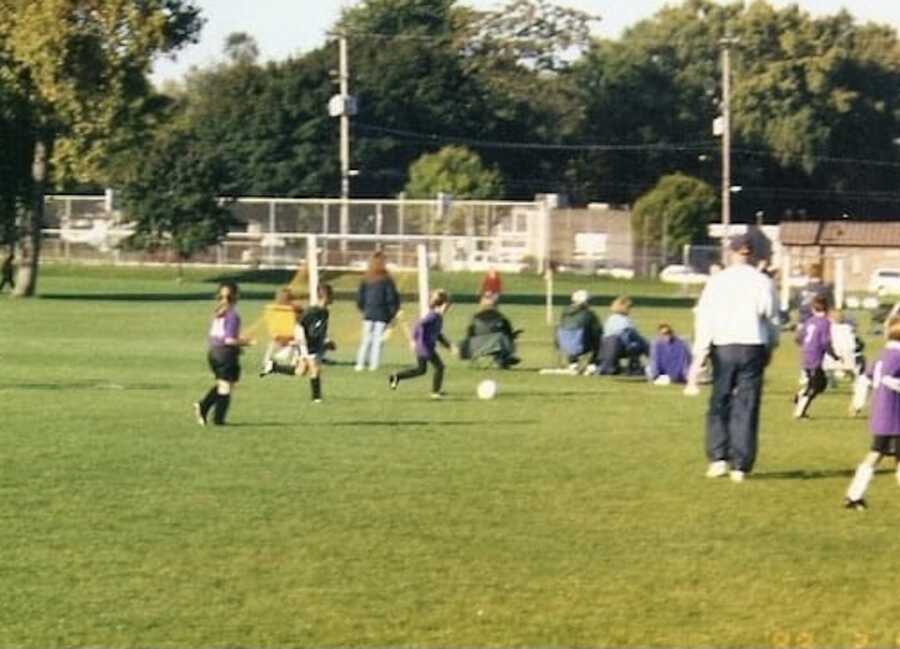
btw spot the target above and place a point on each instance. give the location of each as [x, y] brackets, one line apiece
[569, 511]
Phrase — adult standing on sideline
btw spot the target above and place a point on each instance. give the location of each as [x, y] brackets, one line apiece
[378, 301]
[7, 274]
[736, 328]
[491, 284]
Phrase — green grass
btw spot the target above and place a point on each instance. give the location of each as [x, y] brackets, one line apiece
[569, 511]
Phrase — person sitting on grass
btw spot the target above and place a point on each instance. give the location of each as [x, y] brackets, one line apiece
[884, 420]
[425, 337]
[670, 357]
[579, 332]
[490, 334]
[621, 340]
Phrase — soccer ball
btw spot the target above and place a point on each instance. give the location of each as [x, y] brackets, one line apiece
[487, 389]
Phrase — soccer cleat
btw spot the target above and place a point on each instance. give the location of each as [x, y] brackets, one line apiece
[393, 381]
[856, 505]
[737, 476]
[590, 370]
[717, 469]
[198, 414]
[437, 396]
[268, 368]
[358, 368]
[317, 401]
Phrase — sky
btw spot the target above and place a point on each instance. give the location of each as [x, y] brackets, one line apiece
[285, 27]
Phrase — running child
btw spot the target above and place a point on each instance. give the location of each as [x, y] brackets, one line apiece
[814, 336]
[884, 420]
[311, 339]
[426, 335]
[225, 344]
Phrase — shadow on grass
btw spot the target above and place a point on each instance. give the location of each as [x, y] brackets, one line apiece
[811, 474]
[84, 385]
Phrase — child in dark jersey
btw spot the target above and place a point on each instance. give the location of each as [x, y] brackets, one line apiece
[814, 336]
[225, 344]
[426, 335]
[884, 419]
[311, 339]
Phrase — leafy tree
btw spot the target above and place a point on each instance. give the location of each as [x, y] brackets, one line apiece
[453, 170]
[82, 67]
[674, 213]
[171, 198]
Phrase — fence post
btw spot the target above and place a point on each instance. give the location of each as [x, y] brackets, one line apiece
[312, 266]
[271, 233]
[839, 282]
[785, 280]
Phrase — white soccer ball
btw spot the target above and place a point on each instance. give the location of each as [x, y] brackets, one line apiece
[487, 389]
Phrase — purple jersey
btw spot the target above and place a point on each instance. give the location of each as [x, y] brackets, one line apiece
[427, 333]
[670, 356]
[815, 337]
[224, 326]
[885, 416]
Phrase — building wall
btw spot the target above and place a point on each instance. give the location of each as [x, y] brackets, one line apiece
[567, 224]
[859, 262]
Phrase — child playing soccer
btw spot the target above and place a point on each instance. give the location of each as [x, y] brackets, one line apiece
[280, 344]
[225, 344]
[884, 420]
[426, 335]
[814, 336]
[311, 339]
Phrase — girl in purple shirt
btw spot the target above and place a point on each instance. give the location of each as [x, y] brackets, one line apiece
[884, 420]
[814, 336]
[426, 335]
[225, 344]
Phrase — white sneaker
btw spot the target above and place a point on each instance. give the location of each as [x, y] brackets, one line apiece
[737, 476]
[358, 368]
[717, 469]
[590, 370]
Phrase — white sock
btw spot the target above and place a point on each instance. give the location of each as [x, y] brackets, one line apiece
[860, 482]
[802, 404]
[898, 474]
[860, 391]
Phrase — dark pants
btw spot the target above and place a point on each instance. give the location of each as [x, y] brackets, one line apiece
[436, 381]
[732, 423]
[816, 382]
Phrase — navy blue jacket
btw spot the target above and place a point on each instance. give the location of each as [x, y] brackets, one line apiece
[378, 300]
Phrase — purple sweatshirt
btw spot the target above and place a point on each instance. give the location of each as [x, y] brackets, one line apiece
[227, 325]
[815, 337]
[884, 419]
[427, 333]
[670, 357]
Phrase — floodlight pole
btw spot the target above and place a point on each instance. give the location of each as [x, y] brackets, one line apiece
[726, 43]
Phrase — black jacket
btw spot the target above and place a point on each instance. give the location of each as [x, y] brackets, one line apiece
[378, 300]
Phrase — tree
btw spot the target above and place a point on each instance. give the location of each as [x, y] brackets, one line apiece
[456, 171]
[82, 65]
[674, 213]
[171, 198]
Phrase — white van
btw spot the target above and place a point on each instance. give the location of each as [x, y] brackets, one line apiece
[885, 281]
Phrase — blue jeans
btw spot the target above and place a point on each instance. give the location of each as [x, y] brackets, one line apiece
[370, 346]
[732, 423]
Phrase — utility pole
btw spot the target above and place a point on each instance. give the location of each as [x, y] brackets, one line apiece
[726, 43]
[343, 106]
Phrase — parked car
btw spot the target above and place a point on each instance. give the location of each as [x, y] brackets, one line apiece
[681, 274]
[885, 281]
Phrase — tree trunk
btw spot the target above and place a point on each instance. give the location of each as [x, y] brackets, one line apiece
[33, 223]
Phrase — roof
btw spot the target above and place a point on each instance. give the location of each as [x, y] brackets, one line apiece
[841, 233]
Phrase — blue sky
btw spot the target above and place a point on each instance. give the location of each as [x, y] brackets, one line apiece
[285, 27]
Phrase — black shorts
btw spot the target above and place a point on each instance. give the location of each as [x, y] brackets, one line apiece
[223, 361]
[886, 445]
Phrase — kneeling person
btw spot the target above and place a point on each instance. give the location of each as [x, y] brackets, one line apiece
[490, 334]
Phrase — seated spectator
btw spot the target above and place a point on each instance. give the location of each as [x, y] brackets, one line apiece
[670, 357]
[579, 331]
[621, 340]
[490, 334]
